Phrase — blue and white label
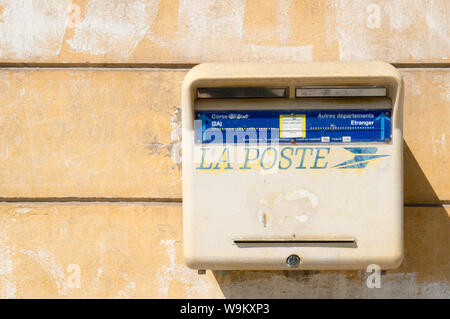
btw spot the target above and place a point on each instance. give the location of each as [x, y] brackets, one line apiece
[299, 126]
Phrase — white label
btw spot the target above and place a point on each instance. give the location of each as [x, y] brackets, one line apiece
[325, 139]
[346, 139]
[292, 126]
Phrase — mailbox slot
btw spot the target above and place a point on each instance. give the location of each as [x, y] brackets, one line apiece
[242, 93]
[340, 91]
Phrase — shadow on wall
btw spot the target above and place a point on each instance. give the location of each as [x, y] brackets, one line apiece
[424, 272]
[417, 189]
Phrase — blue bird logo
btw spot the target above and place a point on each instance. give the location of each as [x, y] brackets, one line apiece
[362, 157]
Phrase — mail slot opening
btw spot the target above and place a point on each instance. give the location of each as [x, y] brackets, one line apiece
[292, 242]
[242, 92]
[341, 91]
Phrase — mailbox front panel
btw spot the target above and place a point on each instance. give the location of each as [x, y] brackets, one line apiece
[305, 174]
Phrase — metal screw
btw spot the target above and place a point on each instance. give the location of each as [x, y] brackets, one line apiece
[293, 261]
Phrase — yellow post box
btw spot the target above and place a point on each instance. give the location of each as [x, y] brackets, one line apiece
[292, 166]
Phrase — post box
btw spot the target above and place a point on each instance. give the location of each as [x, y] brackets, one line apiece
[292, 166]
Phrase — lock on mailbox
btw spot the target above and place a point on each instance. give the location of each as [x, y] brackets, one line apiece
[292, 166]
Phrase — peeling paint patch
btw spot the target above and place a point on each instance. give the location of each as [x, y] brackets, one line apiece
[113, 28]
[414, 30]
[195, 286]
[272, 207]
[174, 147]
[284, 21]
[48, 262]
[32, 29]
[129, 291]
[439, 141]
[175, 137]
[8, 285]
[23, 210]
[266, 53]
[7, 278]
[210, 31]
[305, 284]
[303, 193]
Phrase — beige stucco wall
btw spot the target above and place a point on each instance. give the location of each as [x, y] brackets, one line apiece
[90, 180]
